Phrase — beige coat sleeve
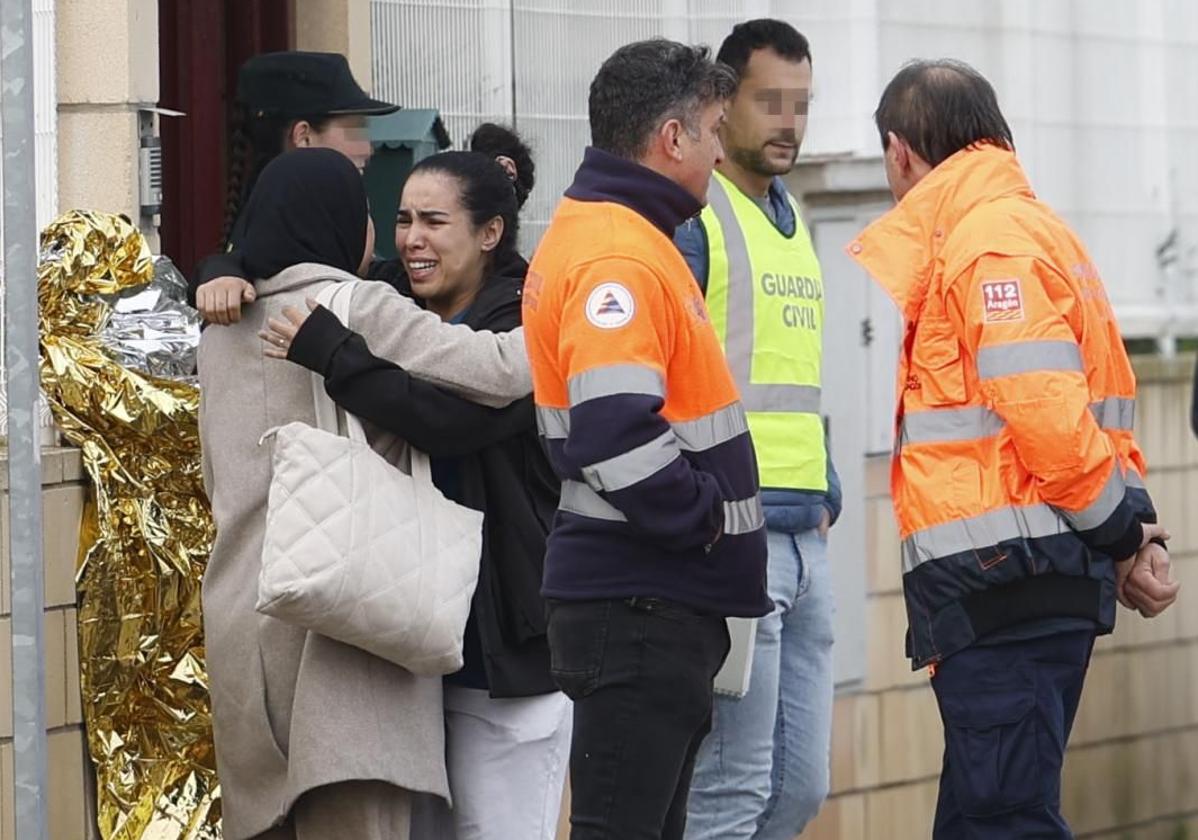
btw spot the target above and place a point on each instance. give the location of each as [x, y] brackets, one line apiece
[485, 367]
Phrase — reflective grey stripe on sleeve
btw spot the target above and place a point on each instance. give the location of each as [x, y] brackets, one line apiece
[635, 465]
[580, 499]
[553, 423]
[949, 424]
[980, 532]
[1027, 357]
[1134, 479]
[1101, 509]
[1115, 413]
[743, 516]
[711, 430]
[615, 379]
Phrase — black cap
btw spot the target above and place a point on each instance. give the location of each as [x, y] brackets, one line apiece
[300, 84]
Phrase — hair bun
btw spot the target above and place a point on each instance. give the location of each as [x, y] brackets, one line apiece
[507, 147]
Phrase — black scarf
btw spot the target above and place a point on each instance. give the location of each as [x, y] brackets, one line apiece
[308, 206]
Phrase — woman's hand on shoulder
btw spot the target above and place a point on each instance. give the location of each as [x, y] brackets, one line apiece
[279, 334]
[220, 300]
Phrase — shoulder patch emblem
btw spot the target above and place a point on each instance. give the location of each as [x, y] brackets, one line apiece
[610, 306]
[1002, 301]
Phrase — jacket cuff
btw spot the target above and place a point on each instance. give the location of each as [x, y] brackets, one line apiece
[1127, 544]
[227, 264]
[1121, 534]
[321, 335]
[833, 512]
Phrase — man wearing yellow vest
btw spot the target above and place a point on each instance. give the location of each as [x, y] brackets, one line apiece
[763, 771]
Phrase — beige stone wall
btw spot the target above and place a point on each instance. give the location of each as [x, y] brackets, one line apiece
[341, 26]
[107, 61]
[69, 769]
[1132, 768]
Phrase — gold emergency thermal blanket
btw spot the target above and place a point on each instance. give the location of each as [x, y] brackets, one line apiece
[146, 534]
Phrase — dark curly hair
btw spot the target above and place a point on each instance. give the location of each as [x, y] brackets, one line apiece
[496, 140]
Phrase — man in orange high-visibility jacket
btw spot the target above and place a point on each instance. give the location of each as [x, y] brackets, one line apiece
[660, 533]
[1017, 482]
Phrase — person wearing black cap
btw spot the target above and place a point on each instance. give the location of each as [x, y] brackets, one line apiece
[224, 281]
[285, 100]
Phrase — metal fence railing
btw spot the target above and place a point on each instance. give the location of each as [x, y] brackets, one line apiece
[18, 129]
[530, 62]
[532, 66]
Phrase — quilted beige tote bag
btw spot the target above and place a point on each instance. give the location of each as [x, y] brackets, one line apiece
[360, 551]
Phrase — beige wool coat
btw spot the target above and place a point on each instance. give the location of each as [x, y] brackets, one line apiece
[294, 710]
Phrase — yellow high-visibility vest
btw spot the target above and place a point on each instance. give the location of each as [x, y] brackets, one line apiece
[765, 293]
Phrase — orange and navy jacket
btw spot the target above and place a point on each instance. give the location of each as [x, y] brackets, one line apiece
[1016, 479]
[636, 406]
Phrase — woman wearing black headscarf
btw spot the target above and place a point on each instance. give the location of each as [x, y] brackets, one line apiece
[314, 739]
[507, 724]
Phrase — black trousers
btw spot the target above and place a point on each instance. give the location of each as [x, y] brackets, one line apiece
[640, 674]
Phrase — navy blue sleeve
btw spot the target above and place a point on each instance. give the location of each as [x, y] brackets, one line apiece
[835, 498]
[227, 264]
[622, 447]
[1119, 536]
[691, 240]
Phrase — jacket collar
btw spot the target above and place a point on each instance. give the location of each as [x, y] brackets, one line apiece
[499, 293]
[900, 249]
[501, 290]
[298, 276]
[778, 196]
[606, 177]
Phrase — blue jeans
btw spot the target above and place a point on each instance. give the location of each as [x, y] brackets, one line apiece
[762, 773]
[1008, 710]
